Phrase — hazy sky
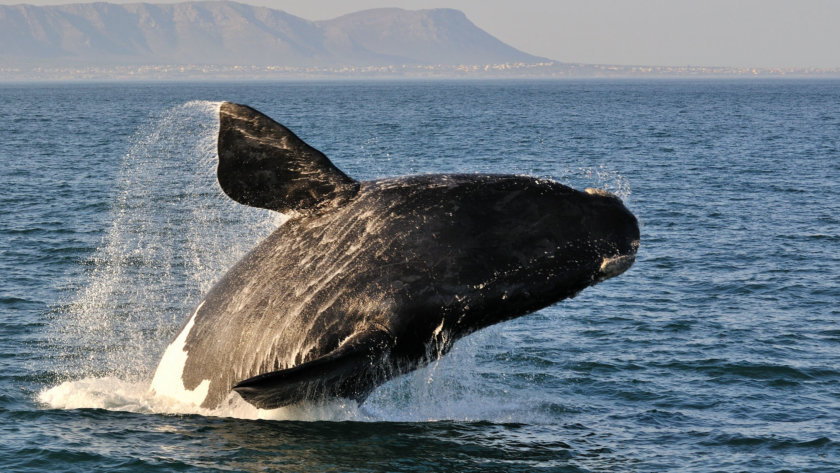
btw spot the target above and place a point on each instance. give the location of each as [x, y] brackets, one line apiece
[754, 33]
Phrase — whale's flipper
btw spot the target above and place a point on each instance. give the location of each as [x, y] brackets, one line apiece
[263, 164]
[350, 371]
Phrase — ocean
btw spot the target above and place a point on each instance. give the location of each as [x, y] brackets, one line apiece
[719, 350]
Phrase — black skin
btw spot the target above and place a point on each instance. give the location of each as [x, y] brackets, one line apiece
[374, 279]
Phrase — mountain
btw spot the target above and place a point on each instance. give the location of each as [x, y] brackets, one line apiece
[226, 34]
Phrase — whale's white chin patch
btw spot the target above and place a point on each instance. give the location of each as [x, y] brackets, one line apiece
[613, 266]
[168, 380]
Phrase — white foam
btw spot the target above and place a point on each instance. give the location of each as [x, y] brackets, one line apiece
[118, 395]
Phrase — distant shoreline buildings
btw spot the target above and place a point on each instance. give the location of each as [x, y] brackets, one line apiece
[516, 70]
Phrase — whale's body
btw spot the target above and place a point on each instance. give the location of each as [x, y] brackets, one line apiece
[370, 280]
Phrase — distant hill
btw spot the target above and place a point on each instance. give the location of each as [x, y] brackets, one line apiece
[227, 34]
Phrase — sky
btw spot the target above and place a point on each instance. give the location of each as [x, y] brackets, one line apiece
[732, 33]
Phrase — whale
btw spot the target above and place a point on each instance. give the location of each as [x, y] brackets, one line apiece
[368, 280]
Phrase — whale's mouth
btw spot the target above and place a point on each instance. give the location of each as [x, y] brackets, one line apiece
[614, 265]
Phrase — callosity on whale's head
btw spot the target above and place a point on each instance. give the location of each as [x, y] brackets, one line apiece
[372, 279]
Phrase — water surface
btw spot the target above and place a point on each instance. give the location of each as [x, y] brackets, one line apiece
[718, 351]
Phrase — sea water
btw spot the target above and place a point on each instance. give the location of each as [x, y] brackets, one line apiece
[719, 350]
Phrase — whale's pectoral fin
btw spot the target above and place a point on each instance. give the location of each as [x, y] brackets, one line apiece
[350, 371]
[263, 164]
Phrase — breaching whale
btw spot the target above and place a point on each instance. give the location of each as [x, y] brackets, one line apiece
[370, 280]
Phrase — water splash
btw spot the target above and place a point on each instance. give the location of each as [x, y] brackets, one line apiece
[115, 394]
[173, 234]
[451, 388]
[598, 177]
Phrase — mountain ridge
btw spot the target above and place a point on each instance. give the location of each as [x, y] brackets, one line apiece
[227, 33]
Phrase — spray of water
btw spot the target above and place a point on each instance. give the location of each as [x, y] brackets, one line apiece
[173, 233]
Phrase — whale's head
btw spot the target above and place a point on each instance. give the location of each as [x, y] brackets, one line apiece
[466, 251]
[614, 231]
[515, 244]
